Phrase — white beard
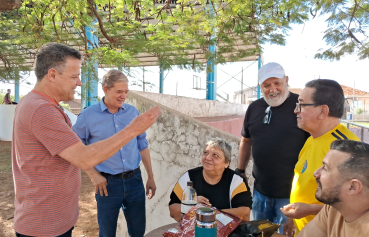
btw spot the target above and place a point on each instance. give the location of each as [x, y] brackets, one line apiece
[274, 102]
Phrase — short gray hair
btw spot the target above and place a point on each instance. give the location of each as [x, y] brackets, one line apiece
[222, 145]
[113, 76]
[53, 55]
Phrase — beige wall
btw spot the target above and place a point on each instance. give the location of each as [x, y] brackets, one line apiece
[6, 121]
[176, 142]
[195, 107]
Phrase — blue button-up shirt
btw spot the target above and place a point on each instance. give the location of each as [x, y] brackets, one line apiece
[96, 123]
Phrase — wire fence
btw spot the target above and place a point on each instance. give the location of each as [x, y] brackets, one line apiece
[359, 130]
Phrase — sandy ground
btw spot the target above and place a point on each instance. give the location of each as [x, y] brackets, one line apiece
[87, 223]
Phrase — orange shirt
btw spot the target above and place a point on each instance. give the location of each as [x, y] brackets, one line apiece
[331, 222]
[46, 185]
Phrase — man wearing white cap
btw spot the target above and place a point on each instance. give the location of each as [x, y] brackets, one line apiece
[270, 128]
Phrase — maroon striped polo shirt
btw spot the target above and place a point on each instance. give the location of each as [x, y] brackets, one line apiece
[46, 185]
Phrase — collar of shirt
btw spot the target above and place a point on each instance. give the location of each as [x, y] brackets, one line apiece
[103, 106]
[42, 94]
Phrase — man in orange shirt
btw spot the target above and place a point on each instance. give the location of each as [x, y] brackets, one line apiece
[47, 155]
[343, 186]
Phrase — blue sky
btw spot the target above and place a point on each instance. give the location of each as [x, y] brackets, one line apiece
[297, 58]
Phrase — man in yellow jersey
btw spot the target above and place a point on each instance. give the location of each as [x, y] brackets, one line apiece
[343, 185]
[319, 109]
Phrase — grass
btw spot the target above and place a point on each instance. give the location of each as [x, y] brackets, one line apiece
[5, 156]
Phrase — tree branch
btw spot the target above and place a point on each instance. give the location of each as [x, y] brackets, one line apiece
[101, 24]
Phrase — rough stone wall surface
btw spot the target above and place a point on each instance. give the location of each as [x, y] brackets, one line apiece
[176, 143]
[196, 107]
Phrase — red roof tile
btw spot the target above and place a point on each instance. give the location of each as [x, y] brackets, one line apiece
[350, 91]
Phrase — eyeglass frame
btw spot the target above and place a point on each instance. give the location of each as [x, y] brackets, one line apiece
[267, 117]
[298, 106]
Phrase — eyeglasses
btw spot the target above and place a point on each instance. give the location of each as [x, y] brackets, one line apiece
[298, 106]
[268, 115]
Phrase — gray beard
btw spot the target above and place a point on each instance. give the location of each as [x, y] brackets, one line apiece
[275, 103]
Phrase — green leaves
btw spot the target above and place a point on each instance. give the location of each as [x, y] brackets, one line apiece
[348, 28]
[171, 33]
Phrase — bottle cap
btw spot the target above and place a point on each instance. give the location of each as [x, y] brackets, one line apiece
[190, 183]
[205, 214]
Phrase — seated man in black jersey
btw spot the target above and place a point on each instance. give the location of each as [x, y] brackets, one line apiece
[215, 183]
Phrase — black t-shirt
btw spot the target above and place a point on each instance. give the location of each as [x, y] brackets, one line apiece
[275, 146]
[230, 192]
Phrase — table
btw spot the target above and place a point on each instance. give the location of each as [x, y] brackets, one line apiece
[158, 232]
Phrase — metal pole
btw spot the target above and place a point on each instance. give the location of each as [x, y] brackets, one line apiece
[242, 102]
[161, 78]
[211, 76]
[353, 102]
[362, 134]
[90, 74]
[258, 87]
[143, 79]
[16, 86]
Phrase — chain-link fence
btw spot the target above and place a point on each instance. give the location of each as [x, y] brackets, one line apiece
[360, 130]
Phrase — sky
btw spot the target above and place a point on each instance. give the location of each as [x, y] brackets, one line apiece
[296, 57]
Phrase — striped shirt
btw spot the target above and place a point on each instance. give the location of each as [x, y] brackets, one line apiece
[46, 185]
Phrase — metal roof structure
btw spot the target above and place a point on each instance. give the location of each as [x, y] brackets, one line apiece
[144, 59]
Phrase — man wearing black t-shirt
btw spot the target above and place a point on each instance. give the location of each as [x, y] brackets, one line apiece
[270, 128]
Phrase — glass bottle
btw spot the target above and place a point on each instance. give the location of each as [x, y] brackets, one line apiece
[189, 198]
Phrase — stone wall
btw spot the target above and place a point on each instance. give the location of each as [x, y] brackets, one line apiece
[196, 107]
[176, 142]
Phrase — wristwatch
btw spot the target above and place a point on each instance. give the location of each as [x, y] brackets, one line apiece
[239, 171]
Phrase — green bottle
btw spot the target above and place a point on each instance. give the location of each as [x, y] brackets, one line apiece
[205, 224]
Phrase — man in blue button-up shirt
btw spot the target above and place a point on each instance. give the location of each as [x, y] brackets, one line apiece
[117, 180]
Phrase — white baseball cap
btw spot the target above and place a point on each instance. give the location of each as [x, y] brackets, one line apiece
[270, 70]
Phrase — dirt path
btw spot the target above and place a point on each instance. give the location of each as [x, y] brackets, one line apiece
[87, 223]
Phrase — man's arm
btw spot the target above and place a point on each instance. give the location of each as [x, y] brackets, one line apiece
[299, 210]
[289, 228]
[87, 157]
[244, 154]
[150, 184]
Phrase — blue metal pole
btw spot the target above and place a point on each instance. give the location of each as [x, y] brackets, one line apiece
[161, 78]
[259, 66]
[83, 88]
[210, 78]
[211, 93]
[90, 74]
[16, 87]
